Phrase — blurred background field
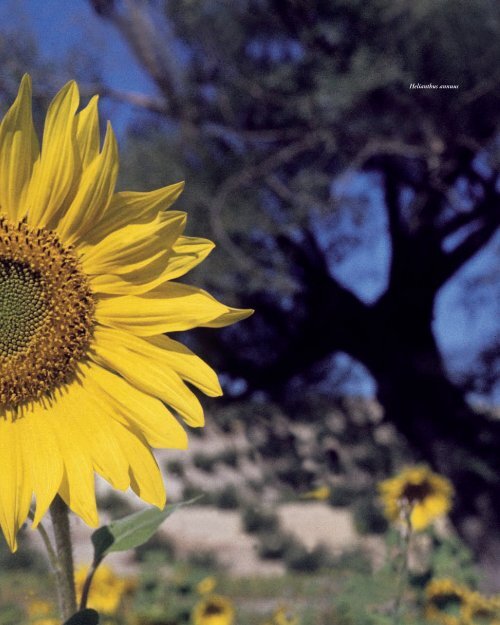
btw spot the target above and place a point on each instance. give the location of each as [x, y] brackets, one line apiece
[359, 217]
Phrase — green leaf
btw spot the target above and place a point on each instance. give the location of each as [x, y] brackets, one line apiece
[131, 531]
[84, 617]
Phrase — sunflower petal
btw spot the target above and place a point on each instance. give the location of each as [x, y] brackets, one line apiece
[142, 365]
[54, 177]
[137, 410]
[44, 458]
[94, 192]
[171, 307]
[190, 367]
[134, 207]
[88, 423]
[18, 152]
[228, 318]
[145, 476]
[186, 253]
[15, 485]
[134, 246]
[87, 133]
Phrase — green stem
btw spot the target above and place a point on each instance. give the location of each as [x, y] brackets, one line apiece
[64, 569]
[405, 541]
[46, 541]
[87, 584]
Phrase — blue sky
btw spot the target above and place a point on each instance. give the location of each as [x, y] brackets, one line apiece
[70, 25]
[60, 26]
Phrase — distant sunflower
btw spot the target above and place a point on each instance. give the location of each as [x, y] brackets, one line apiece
[320, 494]
[86, 295]
[108, 588]
[445, 601]
[42, 612]
[283, 616]
[206, 585]
[428, 495]
[481, 610]
[214, 610]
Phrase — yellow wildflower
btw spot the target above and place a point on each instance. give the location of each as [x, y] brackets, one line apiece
[206, 585]
[445, 601]
[282, 616]
[42, 613]
[87, 291]
[107, 590]
[427, 494]
[214, 610]
[320, 494]
[481, 610]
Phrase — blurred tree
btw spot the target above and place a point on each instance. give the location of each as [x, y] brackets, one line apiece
[265, 106]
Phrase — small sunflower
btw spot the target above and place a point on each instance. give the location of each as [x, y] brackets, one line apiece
[321, 493]
[445, 601]
[214, 610]
[108, 589]
[481, 610]
[87, 293]
[206, 585]
[42, 613]
[428, 495]
[283, 616]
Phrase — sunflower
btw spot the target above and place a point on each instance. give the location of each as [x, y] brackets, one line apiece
[214, 610]
[42, 612]
[445, 601]
[108, 589]
[481, 610]
[88, 380]
[428, 495]
[321, 493]
[282, 616]
[206, 586]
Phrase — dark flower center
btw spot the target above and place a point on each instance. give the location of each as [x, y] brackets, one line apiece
[46, 313]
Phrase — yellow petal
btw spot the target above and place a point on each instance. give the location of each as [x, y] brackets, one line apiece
[134, 207]
[77, 487]
[94, 193]
[78, 490]
[87, 422]
[135, 409]
[171, 307]
[145, 476]
[186, 253]
[18, 151]
[87, 133]
[190, 367]
[57, 171]
[44, 457]
[134, 282]
[228, 318]
[15, 485]
[142, 364]
[133, 247]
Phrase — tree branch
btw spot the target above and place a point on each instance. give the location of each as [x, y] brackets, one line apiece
[151, 39]
[466, 250]
[487, 214]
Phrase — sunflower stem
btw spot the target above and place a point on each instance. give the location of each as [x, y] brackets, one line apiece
[402, 572]
[64, 571]
[46, 541]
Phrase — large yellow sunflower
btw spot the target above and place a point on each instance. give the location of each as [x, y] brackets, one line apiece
[86, 295]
